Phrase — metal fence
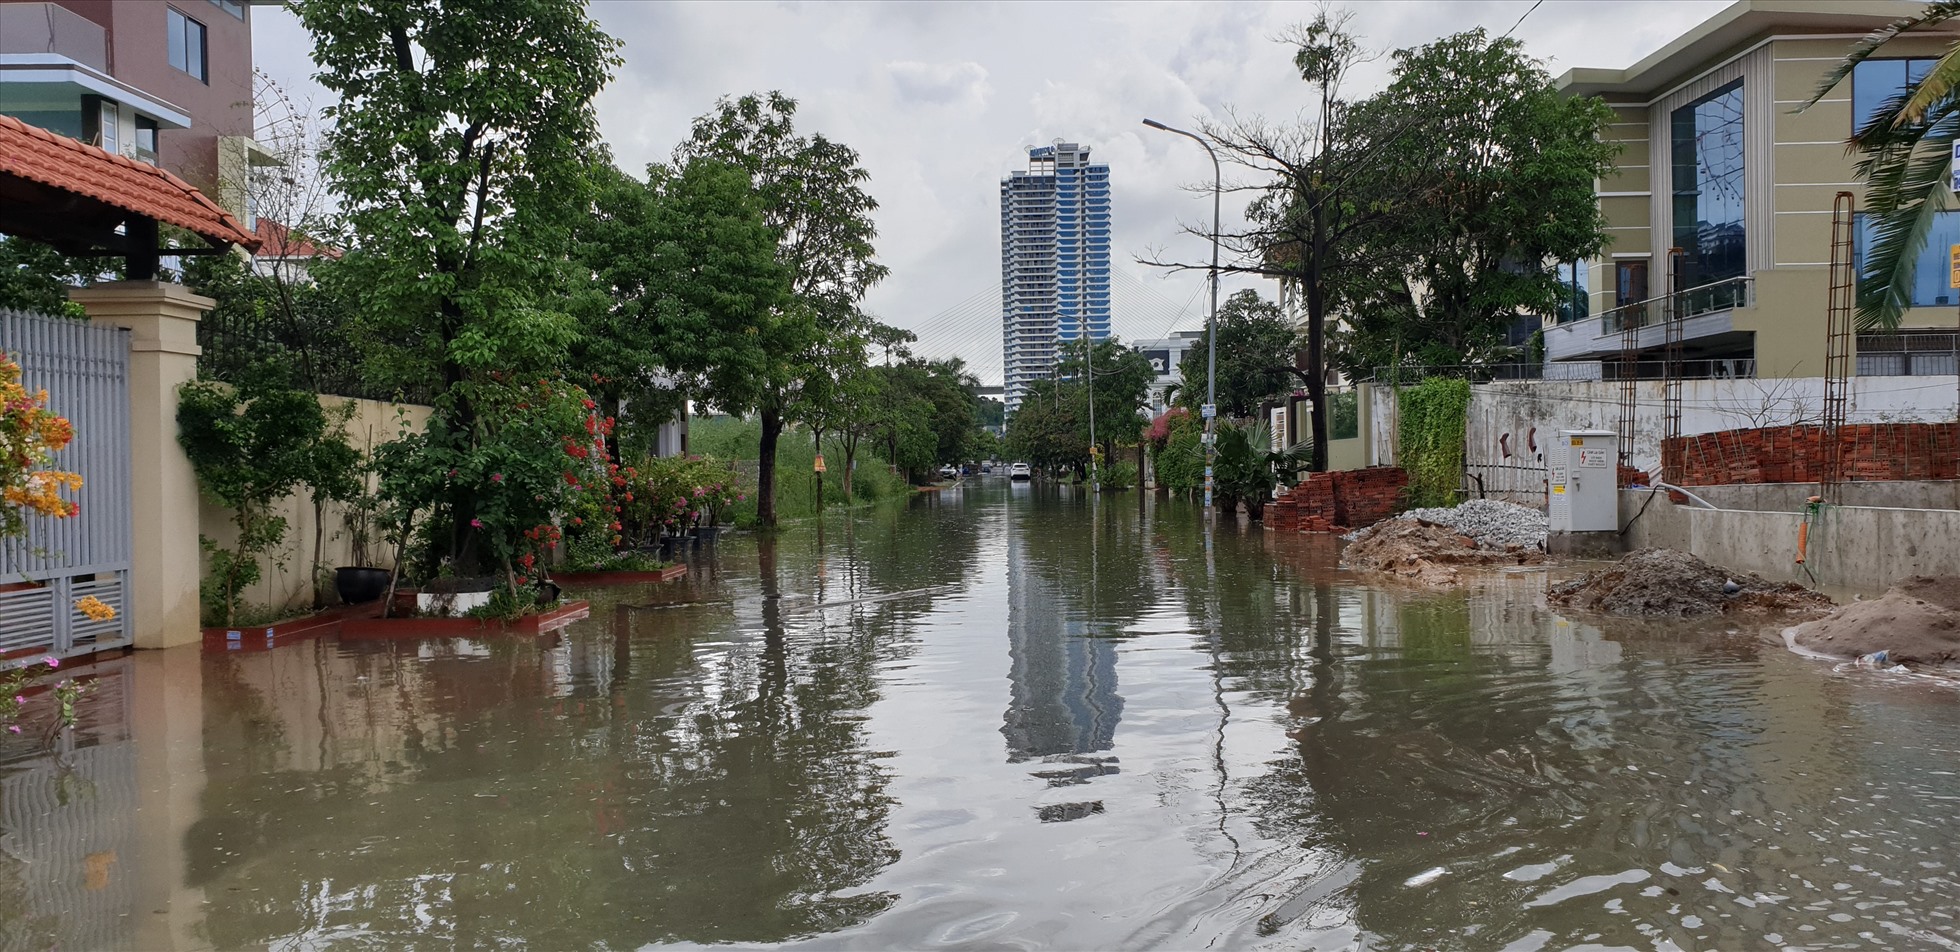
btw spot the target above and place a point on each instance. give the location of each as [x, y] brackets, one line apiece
[85, 371]
[319, 356]
[1736, 368]
[1908, 353]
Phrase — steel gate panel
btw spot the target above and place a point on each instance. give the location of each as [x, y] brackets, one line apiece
[85, 371]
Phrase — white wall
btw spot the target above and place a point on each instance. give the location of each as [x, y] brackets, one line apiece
[1707, 406]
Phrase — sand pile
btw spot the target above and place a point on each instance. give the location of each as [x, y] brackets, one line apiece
[1427, 552]
[1665, 582]
[1915, 622]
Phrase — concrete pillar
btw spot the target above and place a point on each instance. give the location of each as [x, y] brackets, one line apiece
[162, 321]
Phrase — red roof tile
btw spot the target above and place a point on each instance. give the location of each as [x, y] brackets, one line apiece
[38, 155]
[278, 241]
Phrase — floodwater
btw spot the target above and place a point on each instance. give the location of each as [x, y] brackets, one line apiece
[1008, 717]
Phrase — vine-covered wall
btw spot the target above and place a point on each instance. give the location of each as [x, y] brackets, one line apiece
[1432, 418]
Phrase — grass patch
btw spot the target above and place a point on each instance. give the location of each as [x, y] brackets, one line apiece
[796, 484]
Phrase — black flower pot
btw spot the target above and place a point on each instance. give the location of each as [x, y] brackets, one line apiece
[358, 585]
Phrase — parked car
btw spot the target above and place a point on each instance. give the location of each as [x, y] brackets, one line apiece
[1020, 471]
[949, 471]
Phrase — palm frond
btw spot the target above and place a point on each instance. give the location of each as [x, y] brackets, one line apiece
[1937, 12]
[1906, 191]
[1935, 87]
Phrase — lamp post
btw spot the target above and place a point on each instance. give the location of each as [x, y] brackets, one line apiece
[1210, 411]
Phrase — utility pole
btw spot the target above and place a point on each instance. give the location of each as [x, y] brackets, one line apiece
[1210, 411]
[1089, 365]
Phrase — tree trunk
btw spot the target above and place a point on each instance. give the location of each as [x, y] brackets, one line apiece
[1317, 337]
[850, 465]
[765, 467]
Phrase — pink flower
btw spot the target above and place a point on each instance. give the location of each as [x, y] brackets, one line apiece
[476, 523]
[20, 699]
[51, 661]
[13, 728]
[496, 477]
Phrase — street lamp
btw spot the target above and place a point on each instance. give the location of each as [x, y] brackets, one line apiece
[1211, 323]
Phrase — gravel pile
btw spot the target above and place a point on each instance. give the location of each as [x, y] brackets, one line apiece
[1491, 523]
[1664, 582]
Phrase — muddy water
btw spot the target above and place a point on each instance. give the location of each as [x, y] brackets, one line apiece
[1008, 717]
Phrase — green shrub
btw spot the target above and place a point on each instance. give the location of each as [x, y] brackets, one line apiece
[1117, 476]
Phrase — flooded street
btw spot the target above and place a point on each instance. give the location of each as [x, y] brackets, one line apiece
[1005, 717]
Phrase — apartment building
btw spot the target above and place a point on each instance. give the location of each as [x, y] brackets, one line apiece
[1054, 261]
[1720, 207]
[168, 82]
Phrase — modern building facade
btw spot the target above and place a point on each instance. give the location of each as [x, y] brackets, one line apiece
[168, 82]
[1720, 208]
[1166, 357]
[1054, 261]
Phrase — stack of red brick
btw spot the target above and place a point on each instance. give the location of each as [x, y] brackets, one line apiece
[1334, 502]
[1795, 454]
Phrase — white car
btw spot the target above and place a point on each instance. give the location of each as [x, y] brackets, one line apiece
[948, 471]
[1020, 471]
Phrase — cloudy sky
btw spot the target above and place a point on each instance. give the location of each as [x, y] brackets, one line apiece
[942, 98]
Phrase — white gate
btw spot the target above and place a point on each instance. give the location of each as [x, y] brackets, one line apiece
[85, 370]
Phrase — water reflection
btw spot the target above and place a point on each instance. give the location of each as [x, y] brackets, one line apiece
[803, 742]
[1062, 697]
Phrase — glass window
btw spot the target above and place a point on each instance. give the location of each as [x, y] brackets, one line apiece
[1572, 304]
[1930, 276]
[108, 128]
[1707, 158]
[186, 42]
[1876, 81]
[233, 7]
[146, 139]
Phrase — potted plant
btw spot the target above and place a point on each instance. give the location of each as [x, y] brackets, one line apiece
[361, 582]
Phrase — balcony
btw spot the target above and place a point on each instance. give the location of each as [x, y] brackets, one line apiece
[1706, 313]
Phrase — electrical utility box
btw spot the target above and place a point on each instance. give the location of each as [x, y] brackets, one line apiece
[1585, 482]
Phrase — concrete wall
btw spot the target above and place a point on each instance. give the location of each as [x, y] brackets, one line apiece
[1861, 549]
[1516, 410]
[1789, 497]
[287, 574]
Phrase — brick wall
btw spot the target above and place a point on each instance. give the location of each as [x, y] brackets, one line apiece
[1332, 502]
[1794, 454]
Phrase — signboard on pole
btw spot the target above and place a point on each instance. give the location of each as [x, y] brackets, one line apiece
[1955, 170]
[1953, 266]
[1208, 411]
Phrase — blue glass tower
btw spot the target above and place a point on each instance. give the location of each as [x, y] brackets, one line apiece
[1054, 261]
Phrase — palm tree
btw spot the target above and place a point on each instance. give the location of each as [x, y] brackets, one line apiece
[1905, 157]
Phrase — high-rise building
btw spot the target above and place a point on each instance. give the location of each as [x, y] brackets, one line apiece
[1054, 261]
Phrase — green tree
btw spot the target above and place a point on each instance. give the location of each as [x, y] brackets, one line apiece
[1905, 157]
[461, 148]
[688, 294]
[35, 277]
[1122, 383]
[1484, 196]
[813, 196]
[1046, 430]
[1255, 357]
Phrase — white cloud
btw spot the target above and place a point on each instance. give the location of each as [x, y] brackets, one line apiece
[941, 99]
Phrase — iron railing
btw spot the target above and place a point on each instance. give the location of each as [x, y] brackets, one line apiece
[1724, 295]
[1570, 370]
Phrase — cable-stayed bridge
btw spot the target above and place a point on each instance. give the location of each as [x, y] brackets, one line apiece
[969, 328]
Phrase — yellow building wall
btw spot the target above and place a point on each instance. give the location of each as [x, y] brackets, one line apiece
[287, 574]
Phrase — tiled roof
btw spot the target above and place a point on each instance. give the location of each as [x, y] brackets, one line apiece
[278, 241]
[38, 155]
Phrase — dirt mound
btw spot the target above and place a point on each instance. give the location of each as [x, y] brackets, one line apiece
[1665, 582]
[1427, 552]
[1915, 622]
